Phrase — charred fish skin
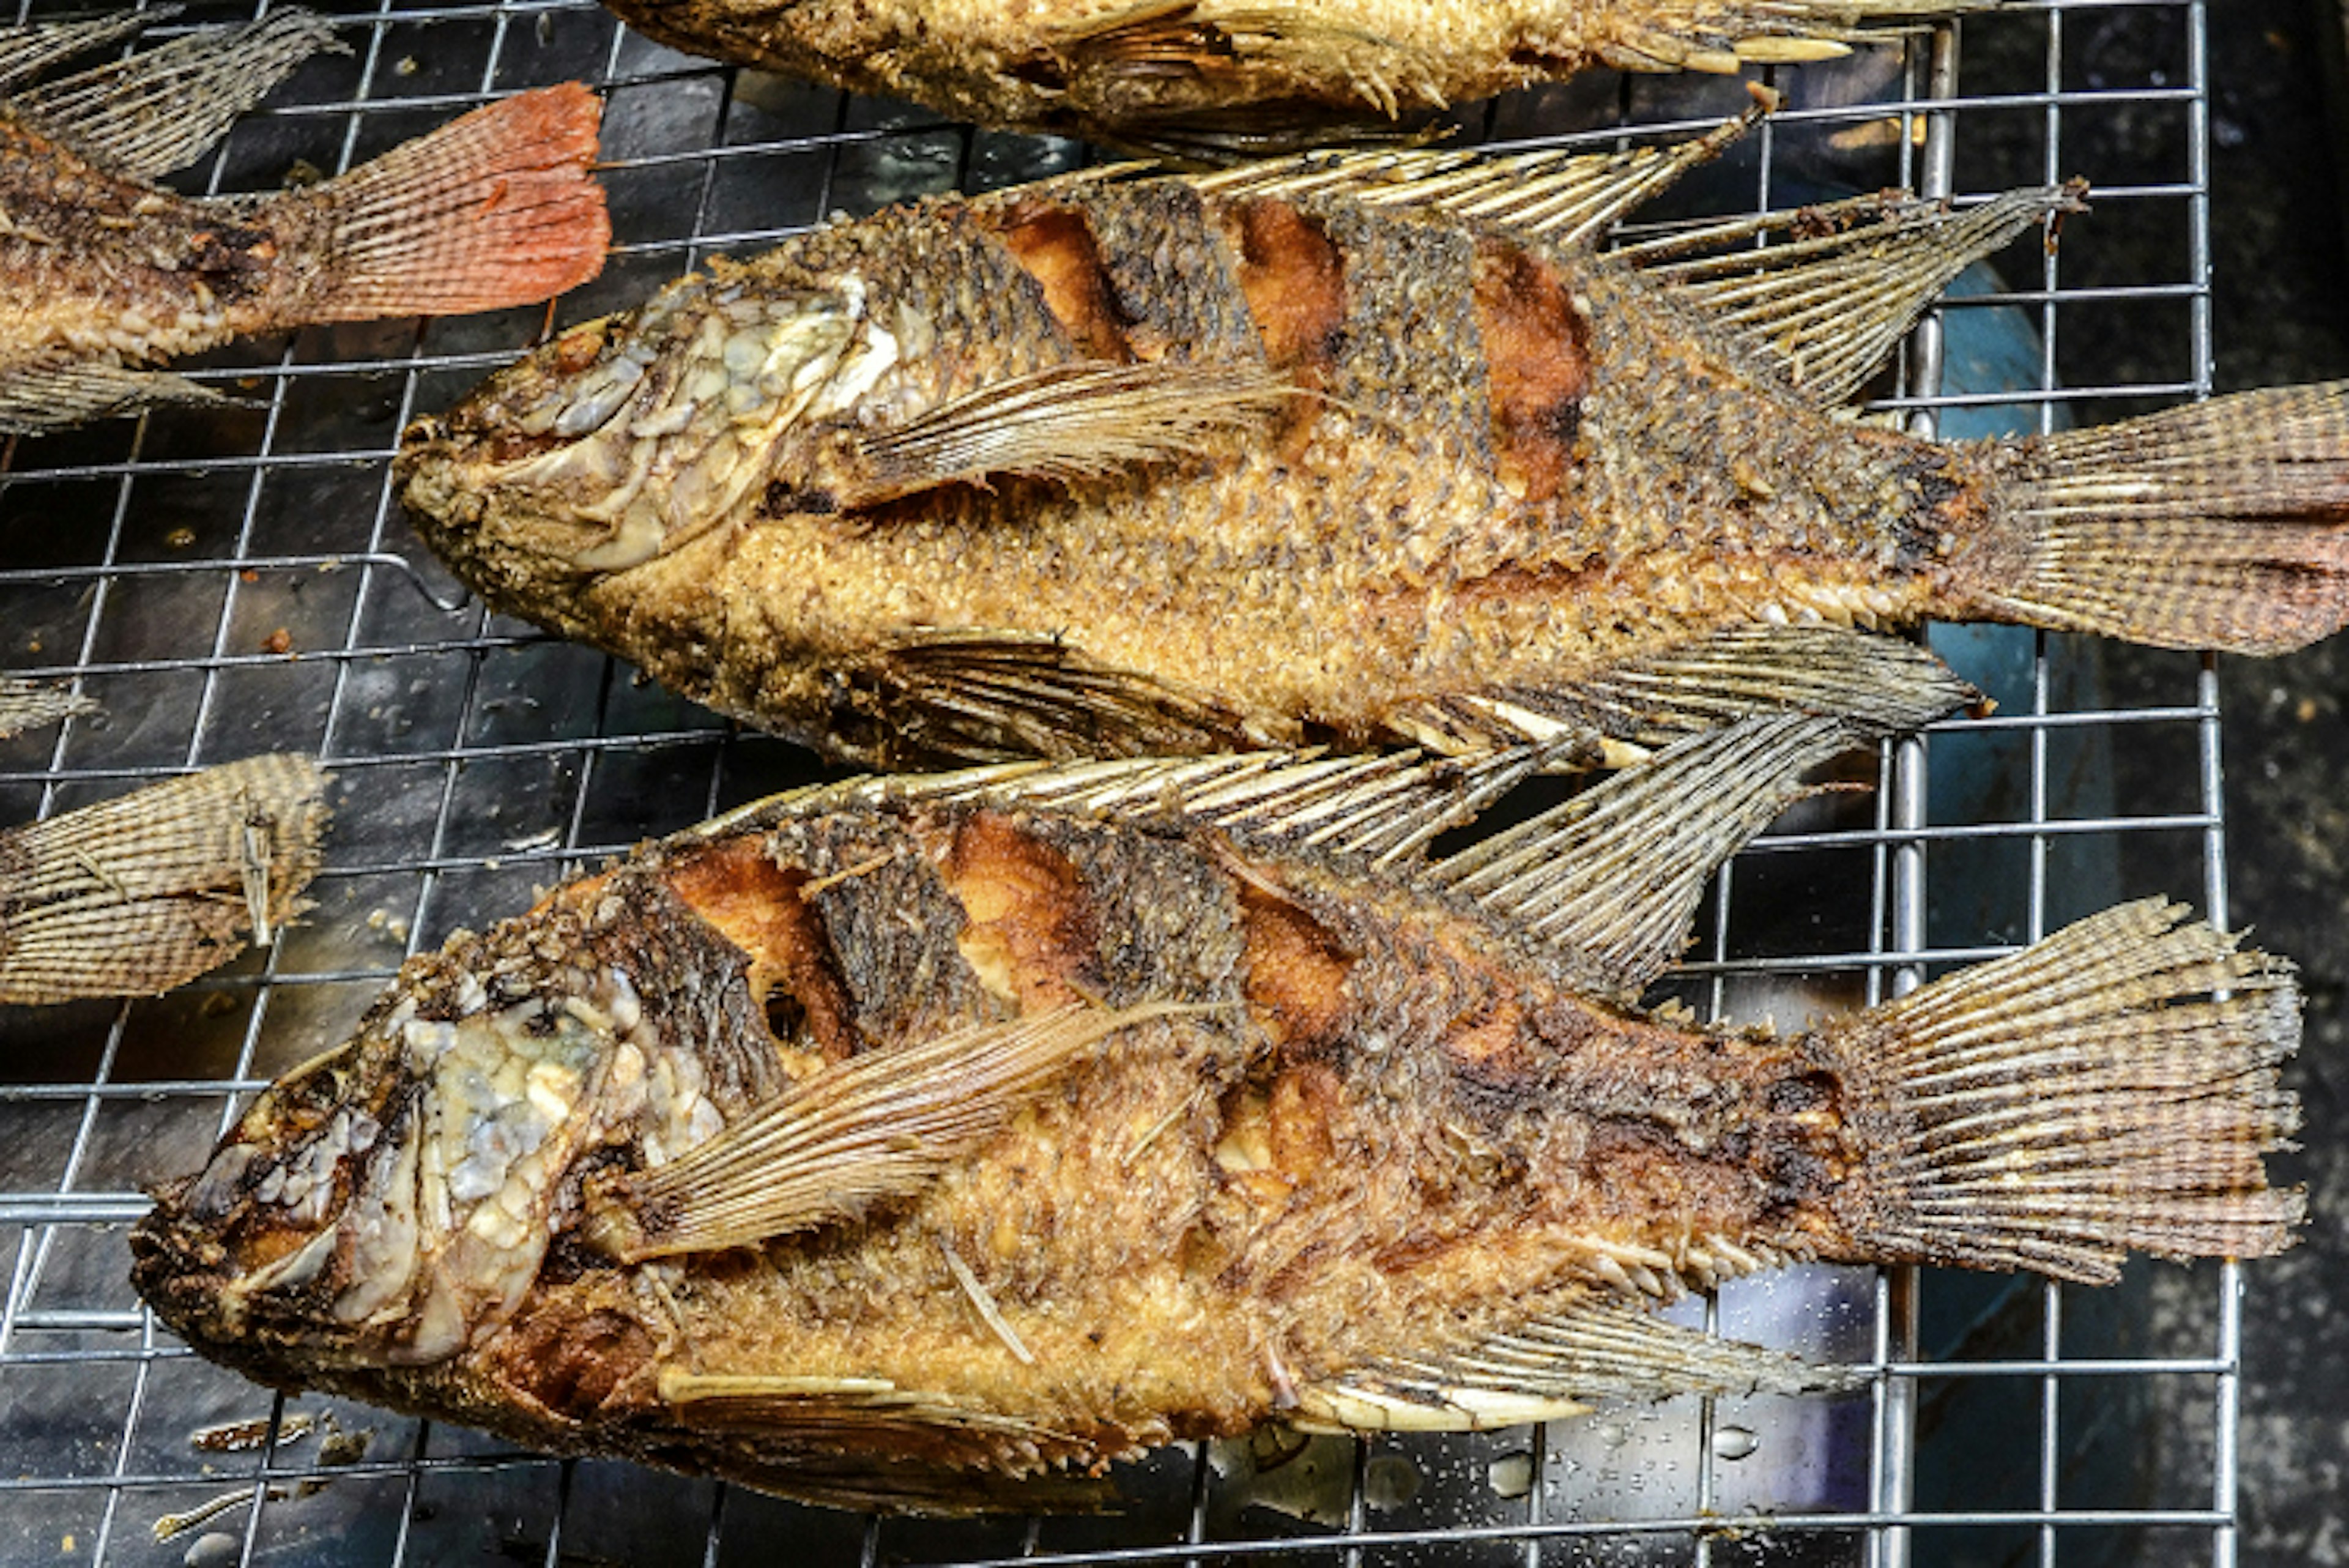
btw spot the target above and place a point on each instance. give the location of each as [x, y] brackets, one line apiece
[895, 1142]
[112, 273]
[1366, 452]
[1202, 75]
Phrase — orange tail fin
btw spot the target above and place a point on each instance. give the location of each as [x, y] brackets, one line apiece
[493, 210]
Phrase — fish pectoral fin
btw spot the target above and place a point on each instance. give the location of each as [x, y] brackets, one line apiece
[1612, 878]
[984, 695]
[1827, 306]
[1559, 1365]
[876, 1127]
[1068, 423]
[1564, 196]
[151, 112]
[138, 894]
[37, 398]
[27, 51]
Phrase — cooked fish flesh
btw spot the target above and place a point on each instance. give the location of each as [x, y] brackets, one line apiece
[1202, 76]
[1359, 451]
[111, 273]
[147, 892]
[891, 1143]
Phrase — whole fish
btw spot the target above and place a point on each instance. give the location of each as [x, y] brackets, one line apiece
[1200, 76]
[108, 272]
[146, 892]
[890, 1143]
[1356, 450]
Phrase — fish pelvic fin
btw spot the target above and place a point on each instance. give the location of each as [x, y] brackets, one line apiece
[26, 704]
[2222, 525]
[154, 111]
[493, 210]
[2111, 1088]
[136, 895]
[1562, 1363]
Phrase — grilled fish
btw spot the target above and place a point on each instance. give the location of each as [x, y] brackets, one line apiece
[142, 893]
[108, 272]
[1207, 76]
[890, 1143]
[1358, 450]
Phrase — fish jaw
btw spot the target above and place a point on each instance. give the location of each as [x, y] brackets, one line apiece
[722, 400]
[391, 1203]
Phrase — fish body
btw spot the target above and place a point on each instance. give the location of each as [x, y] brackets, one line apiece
[108, 272]
[893, 1142]
[1243, 72]
[1359, 451]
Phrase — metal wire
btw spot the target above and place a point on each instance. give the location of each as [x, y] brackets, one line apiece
[155, 565]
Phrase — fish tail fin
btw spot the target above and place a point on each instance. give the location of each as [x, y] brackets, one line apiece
[2111, 1088]
[2222, 525]
[493, 210]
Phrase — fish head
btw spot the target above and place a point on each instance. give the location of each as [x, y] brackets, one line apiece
[626, 436]
[391, 1202]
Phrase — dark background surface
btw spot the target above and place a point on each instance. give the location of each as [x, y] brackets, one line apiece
[2281, 314]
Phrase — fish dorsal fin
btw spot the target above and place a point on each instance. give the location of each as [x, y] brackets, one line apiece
[1613, 876]
[1065, 423]
[1566, 197]
[136, 895]
[1625, 711]
[1828, 305]
[1559, 1365]
[26, 704]
[154, 111]
[876, 1127]
[26, 52]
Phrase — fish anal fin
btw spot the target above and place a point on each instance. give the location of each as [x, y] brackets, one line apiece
[35, 398]
[857, 1133]
[1561, 1364]
[1068, 423]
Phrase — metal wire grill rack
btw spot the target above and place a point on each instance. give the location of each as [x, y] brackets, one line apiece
[228, 583]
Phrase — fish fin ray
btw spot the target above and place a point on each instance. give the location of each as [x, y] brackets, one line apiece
[1566, 197]
[26, 704]
[150, 113]
[984, 695]
[2220, 524]
[25, 52]
[1614, 875]
[876, 1127]
[491, 210]
[1215, 39]
[1884, 683]
[1065, 424]
[39, 397]
[138, 894]
[1561, 1364]
[1828, 306]
[2112, 1087]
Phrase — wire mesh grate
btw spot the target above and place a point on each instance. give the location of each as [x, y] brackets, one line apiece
[226, 583]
